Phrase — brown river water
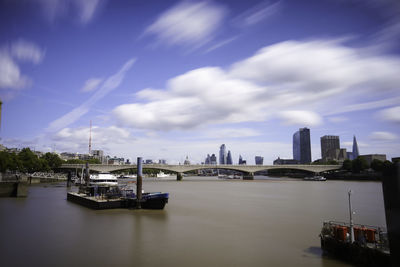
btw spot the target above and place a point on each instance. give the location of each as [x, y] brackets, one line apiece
[207, 222]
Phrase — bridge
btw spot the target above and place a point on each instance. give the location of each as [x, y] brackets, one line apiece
[249, 170]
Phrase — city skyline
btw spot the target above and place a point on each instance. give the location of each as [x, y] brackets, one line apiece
[163, 80]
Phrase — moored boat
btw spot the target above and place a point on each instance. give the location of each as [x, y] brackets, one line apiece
[162, 175]
[103, 179]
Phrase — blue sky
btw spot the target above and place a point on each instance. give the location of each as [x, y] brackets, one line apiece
[166, 79]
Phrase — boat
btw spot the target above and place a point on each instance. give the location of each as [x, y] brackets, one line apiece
[103, 179]
[315, 178]
[128, 176]
[361, 245]
[369, 248]
[162, 175]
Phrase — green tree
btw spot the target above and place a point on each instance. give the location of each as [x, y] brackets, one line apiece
[359, 164]
[347, 165]
[29, 161]
[53, 160]
[377, 165]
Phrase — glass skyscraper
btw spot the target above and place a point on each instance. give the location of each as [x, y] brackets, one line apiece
[302, 146]
[222, 155]
[259, 160]
[229, 158]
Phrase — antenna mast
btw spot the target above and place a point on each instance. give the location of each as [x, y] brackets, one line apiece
[90, 138]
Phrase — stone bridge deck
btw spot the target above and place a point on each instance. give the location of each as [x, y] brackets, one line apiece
[250, 169]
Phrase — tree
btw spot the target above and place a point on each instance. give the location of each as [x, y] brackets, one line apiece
[53, 160]
[29, 161]
[359, 164]
[377, 165]
[347, 165]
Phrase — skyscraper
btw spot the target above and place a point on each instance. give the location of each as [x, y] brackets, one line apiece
[229, 158]
[259, 160]
[213, 159]
[222, 155]
[329, 145]
[302, 146]
[355, 153]
[208, 159]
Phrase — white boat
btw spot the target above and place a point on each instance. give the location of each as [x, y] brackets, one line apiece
[128, 176]
[104, 179]
[315, 178]
[162, 175]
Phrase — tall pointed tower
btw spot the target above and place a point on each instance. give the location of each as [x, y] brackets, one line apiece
[355, 148]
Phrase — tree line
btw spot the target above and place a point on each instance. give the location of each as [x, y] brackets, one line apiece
[360, 164]
[27, 161]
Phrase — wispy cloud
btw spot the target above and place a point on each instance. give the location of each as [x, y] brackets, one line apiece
[188, 23]
[300, 117]
[383, 136]
[109, 85]
[11, 56]
[257, 13]
[91, 84]
[390, 114]
[221, 44]
[294, 81]
[57, 9]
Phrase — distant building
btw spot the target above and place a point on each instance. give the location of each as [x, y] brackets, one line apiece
[222, 155]
[280, 161]
[396, 159]
[127, 162]
[259, 160]
[162, 161]
[148, 161]
[84, 156]
[371, 157]
[213, 159]
[116, 161]
[329, 145]
[99, 154]
[208, 160]
[355, 152]
[68, 156]
[241, 161]
[229, 158]
[186, 162]
[302, 146]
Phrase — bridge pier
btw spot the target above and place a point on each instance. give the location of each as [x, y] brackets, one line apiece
[179, 176]
[248, 176]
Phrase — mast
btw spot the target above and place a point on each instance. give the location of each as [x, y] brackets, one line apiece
[90, 138]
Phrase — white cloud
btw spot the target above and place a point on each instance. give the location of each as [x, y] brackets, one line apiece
[109, 85]
[10, 73]
[382, 136]
[188, 23]
[390, 114]
[337, 119]
[91, 84]
[300, 117]
[257, 13]
[56, 9]
[294, 81]
[221, 44]
[228, 133]
[27, 51]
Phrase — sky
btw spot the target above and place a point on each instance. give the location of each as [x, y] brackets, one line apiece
[170, 79]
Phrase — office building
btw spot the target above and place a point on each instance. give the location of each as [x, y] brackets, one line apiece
[329, 145]
[302, 146]
[280, 161]
[208, 160]
[259, 160]
[229, 158]
[213, 159]
[222, 155]
[371, 157]
[355, 152]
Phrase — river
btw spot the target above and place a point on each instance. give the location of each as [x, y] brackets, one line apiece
[207, 222]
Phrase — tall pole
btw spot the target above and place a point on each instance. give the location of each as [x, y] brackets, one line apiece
[87, 174]
[90, 138]
[0, 112]
[139, 182]
[351, 219]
